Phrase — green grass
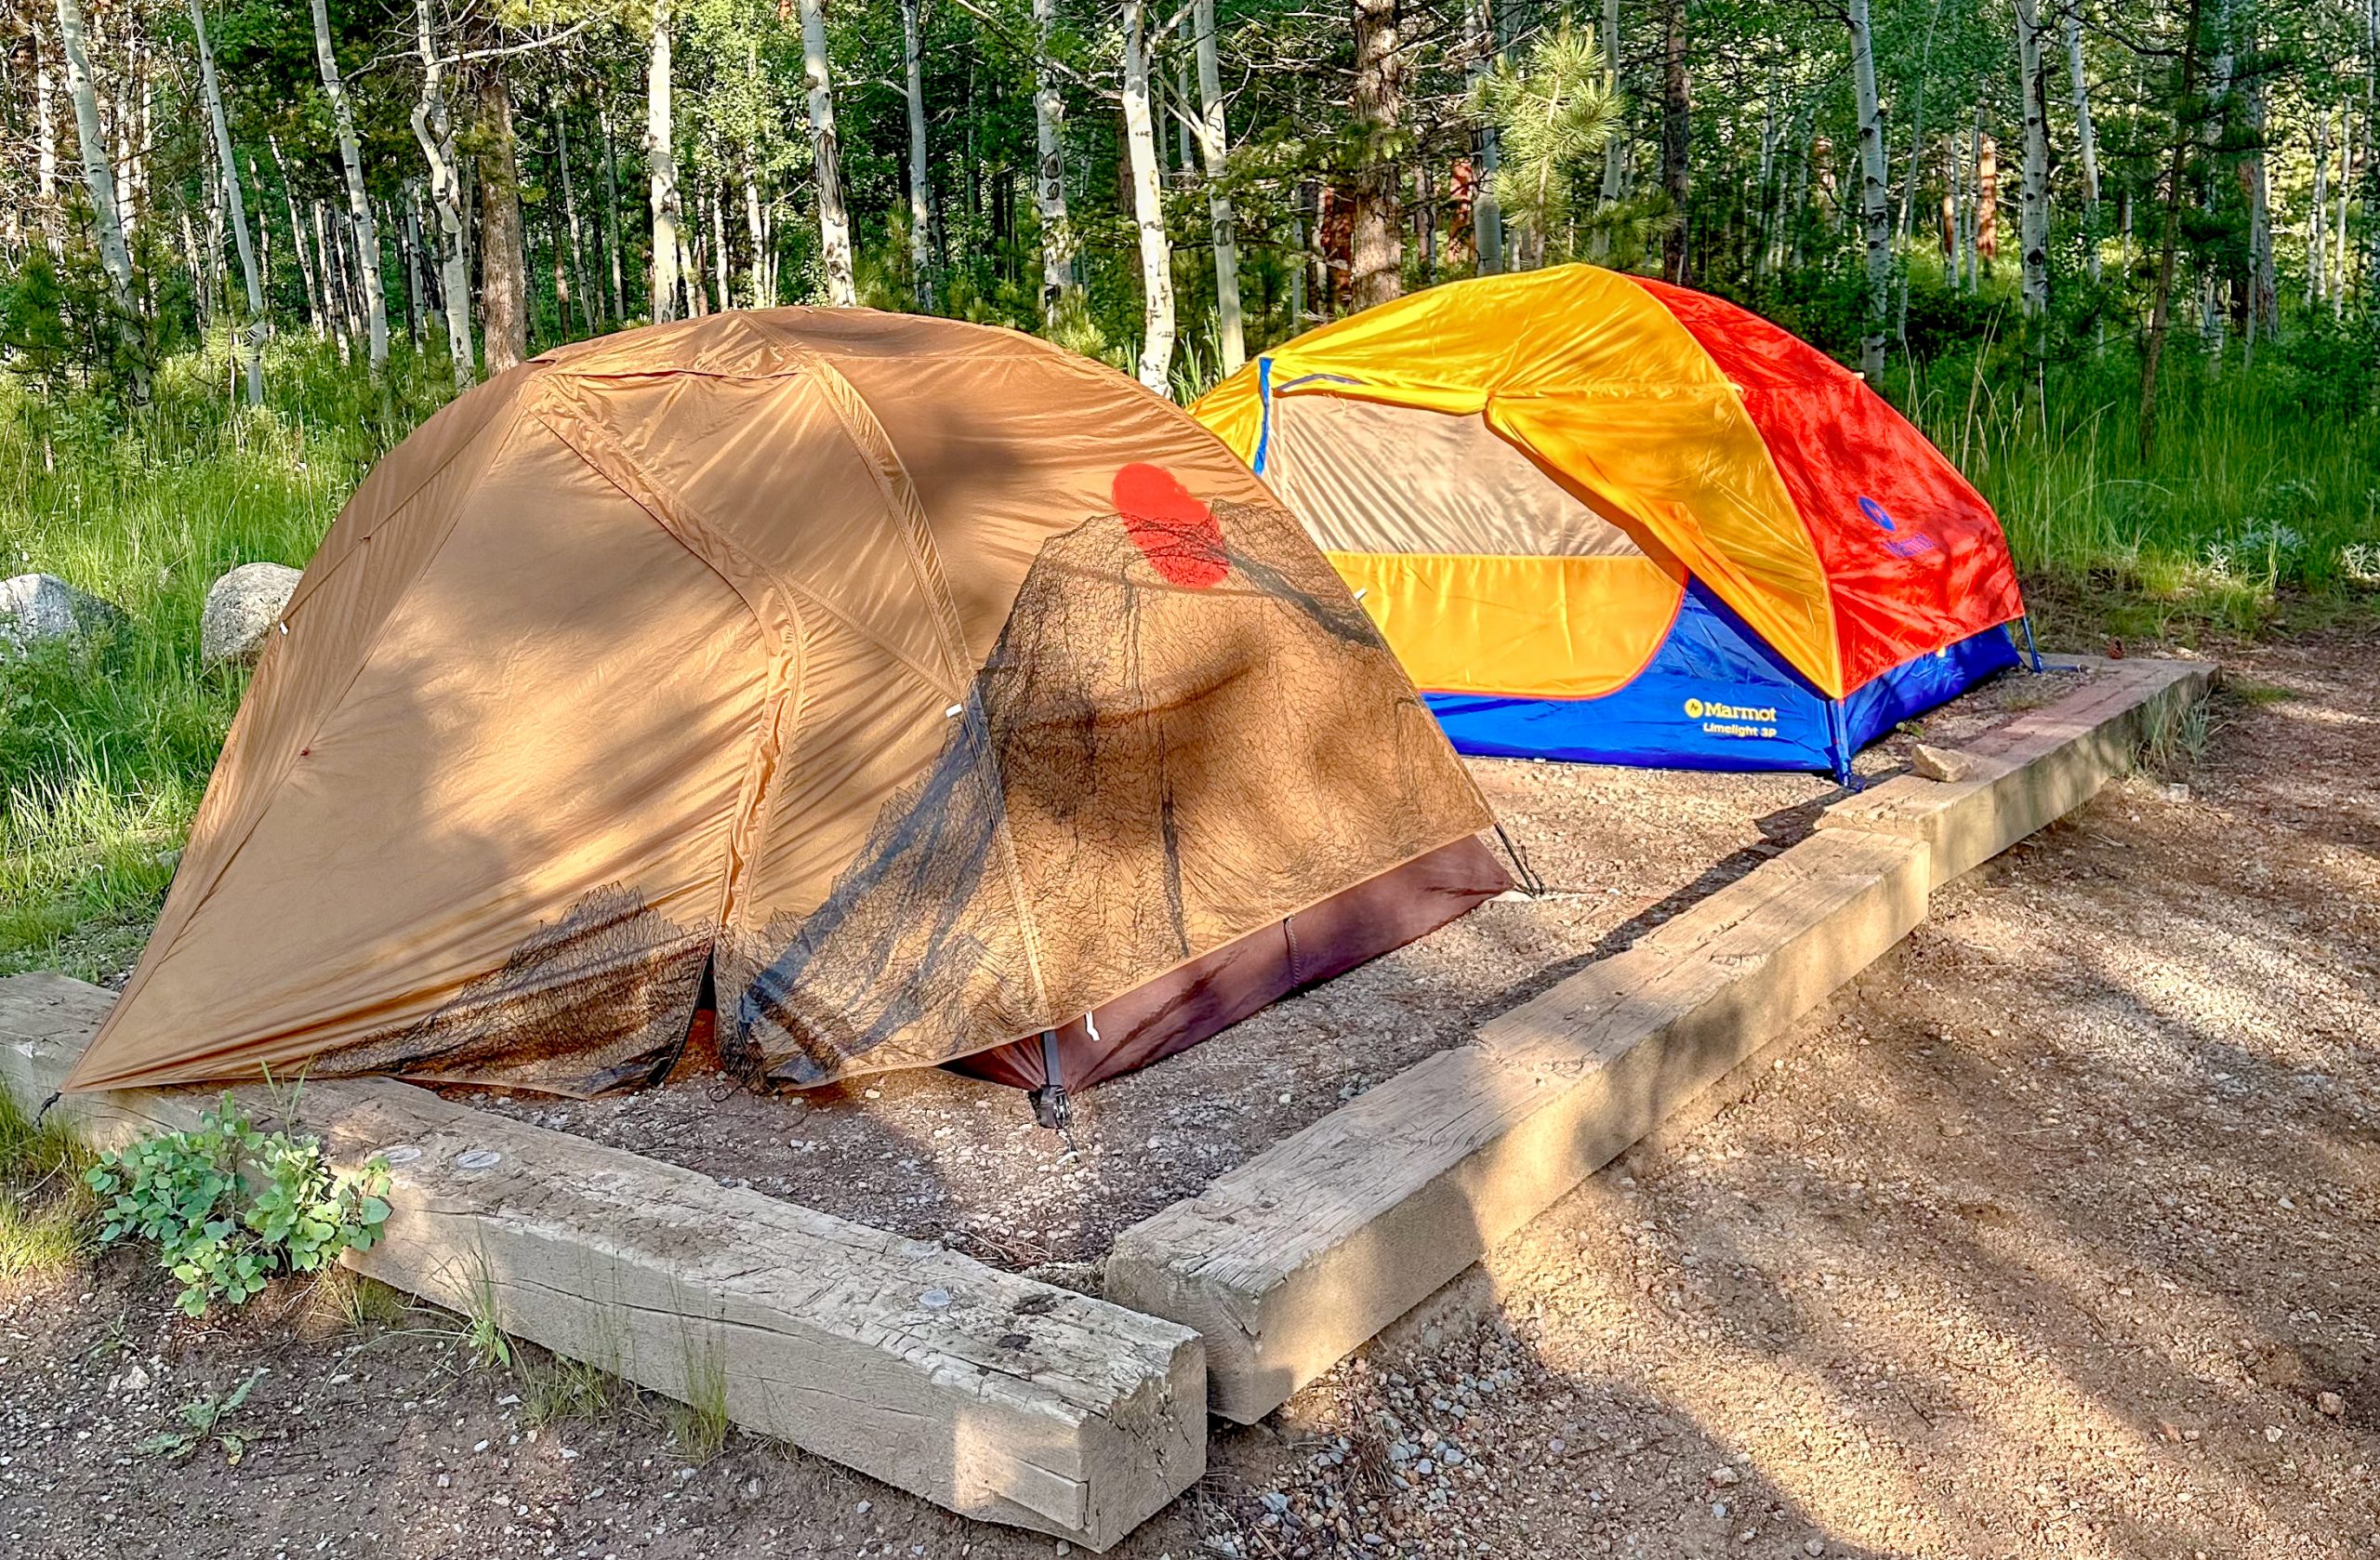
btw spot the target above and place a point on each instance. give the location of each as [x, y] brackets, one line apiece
[46, 1214]
[2260, 509]
[105, 743]
[2257, 509]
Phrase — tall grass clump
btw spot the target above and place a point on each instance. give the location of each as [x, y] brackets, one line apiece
[2260, 497]
[106, 741]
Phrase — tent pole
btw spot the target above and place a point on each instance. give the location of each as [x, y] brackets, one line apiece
[2031, 650]
[1839, 744]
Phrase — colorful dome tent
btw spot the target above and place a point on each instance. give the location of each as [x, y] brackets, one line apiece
[821, 661]
[1603, 518]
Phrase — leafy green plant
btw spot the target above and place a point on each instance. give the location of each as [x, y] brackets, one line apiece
[203, 1418]
[230, 1205]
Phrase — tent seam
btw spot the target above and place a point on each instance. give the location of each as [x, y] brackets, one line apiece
[909, 511]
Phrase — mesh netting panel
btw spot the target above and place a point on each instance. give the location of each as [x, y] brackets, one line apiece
[1188, 731]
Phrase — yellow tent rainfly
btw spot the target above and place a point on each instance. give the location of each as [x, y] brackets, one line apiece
[1603, 518]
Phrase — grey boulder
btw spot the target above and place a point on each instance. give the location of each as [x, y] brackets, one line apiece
[35, 608]
[242, 610]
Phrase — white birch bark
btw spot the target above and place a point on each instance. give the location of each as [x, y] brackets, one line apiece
[434, 128]
[99, 170]
[920, 199]
[2032, 197]
[252, 354]
[1224, 223]
[1148, 203]
[2087, 137]
[1060, 287]
[661, 167]
[359, 203]
[826, 158]
[1875, 207]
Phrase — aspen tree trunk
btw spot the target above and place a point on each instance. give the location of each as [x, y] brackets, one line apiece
[359, 204]
[764, 281]
[332, 314]
[1148, 203]
[434, 128]
[1376, 242]
[264, 228]
[1487, 217]
[504, 282]
[200, 272]
[1916, 147]
[619, 297]
[661, 167]
[2346, 184]
[2264, 299]
[45, 159]
[1060, 288]
[252, 355]
[1224, 223]
[98, 171]
[413, 260]
[1184, 119]
[2087, 137]
[1875, 211]
[834, 225]
[921, 196]
[1615, 150]
[586, 298]
[719, 249]
[1677, 107]
[2161, 306]
[690, 267]
[317, 318]
[1987, 197]
[2317, 259]
[2032, 199]
[2370, 161]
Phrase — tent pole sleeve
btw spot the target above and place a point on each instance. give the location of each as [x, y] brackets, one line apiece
[1264, 412]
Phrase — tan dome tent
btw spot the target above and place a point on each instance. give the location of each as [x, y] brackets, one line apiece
[929, 691]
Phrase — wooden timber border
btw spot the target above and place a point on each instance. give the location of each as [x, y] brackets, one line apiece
[986, 1393]
[1290, 1261]
[1013, 1401]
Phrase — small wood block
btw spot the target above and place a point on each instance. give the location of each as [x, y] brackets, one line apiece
[2037, 768]
[986, 1393]
[1296, 1258]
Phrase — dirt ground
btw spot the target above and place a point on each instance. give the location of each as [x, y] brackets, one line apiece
[2055, 1235]
[940, 1157]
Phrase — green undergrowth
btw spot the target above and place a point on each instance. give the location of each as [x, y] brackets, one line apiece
[230, 1205]
[106, 742]
[2257, 515]
[46, 1214]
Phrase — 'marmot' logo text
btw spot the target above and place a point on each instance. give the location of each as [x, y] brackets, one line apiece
[1697, 709]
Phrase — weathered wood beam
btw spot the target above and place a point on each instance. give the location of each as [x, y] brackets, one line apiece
[986, 1393]
[1300, 1255]
[1296, 1258]
[2033, 770]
